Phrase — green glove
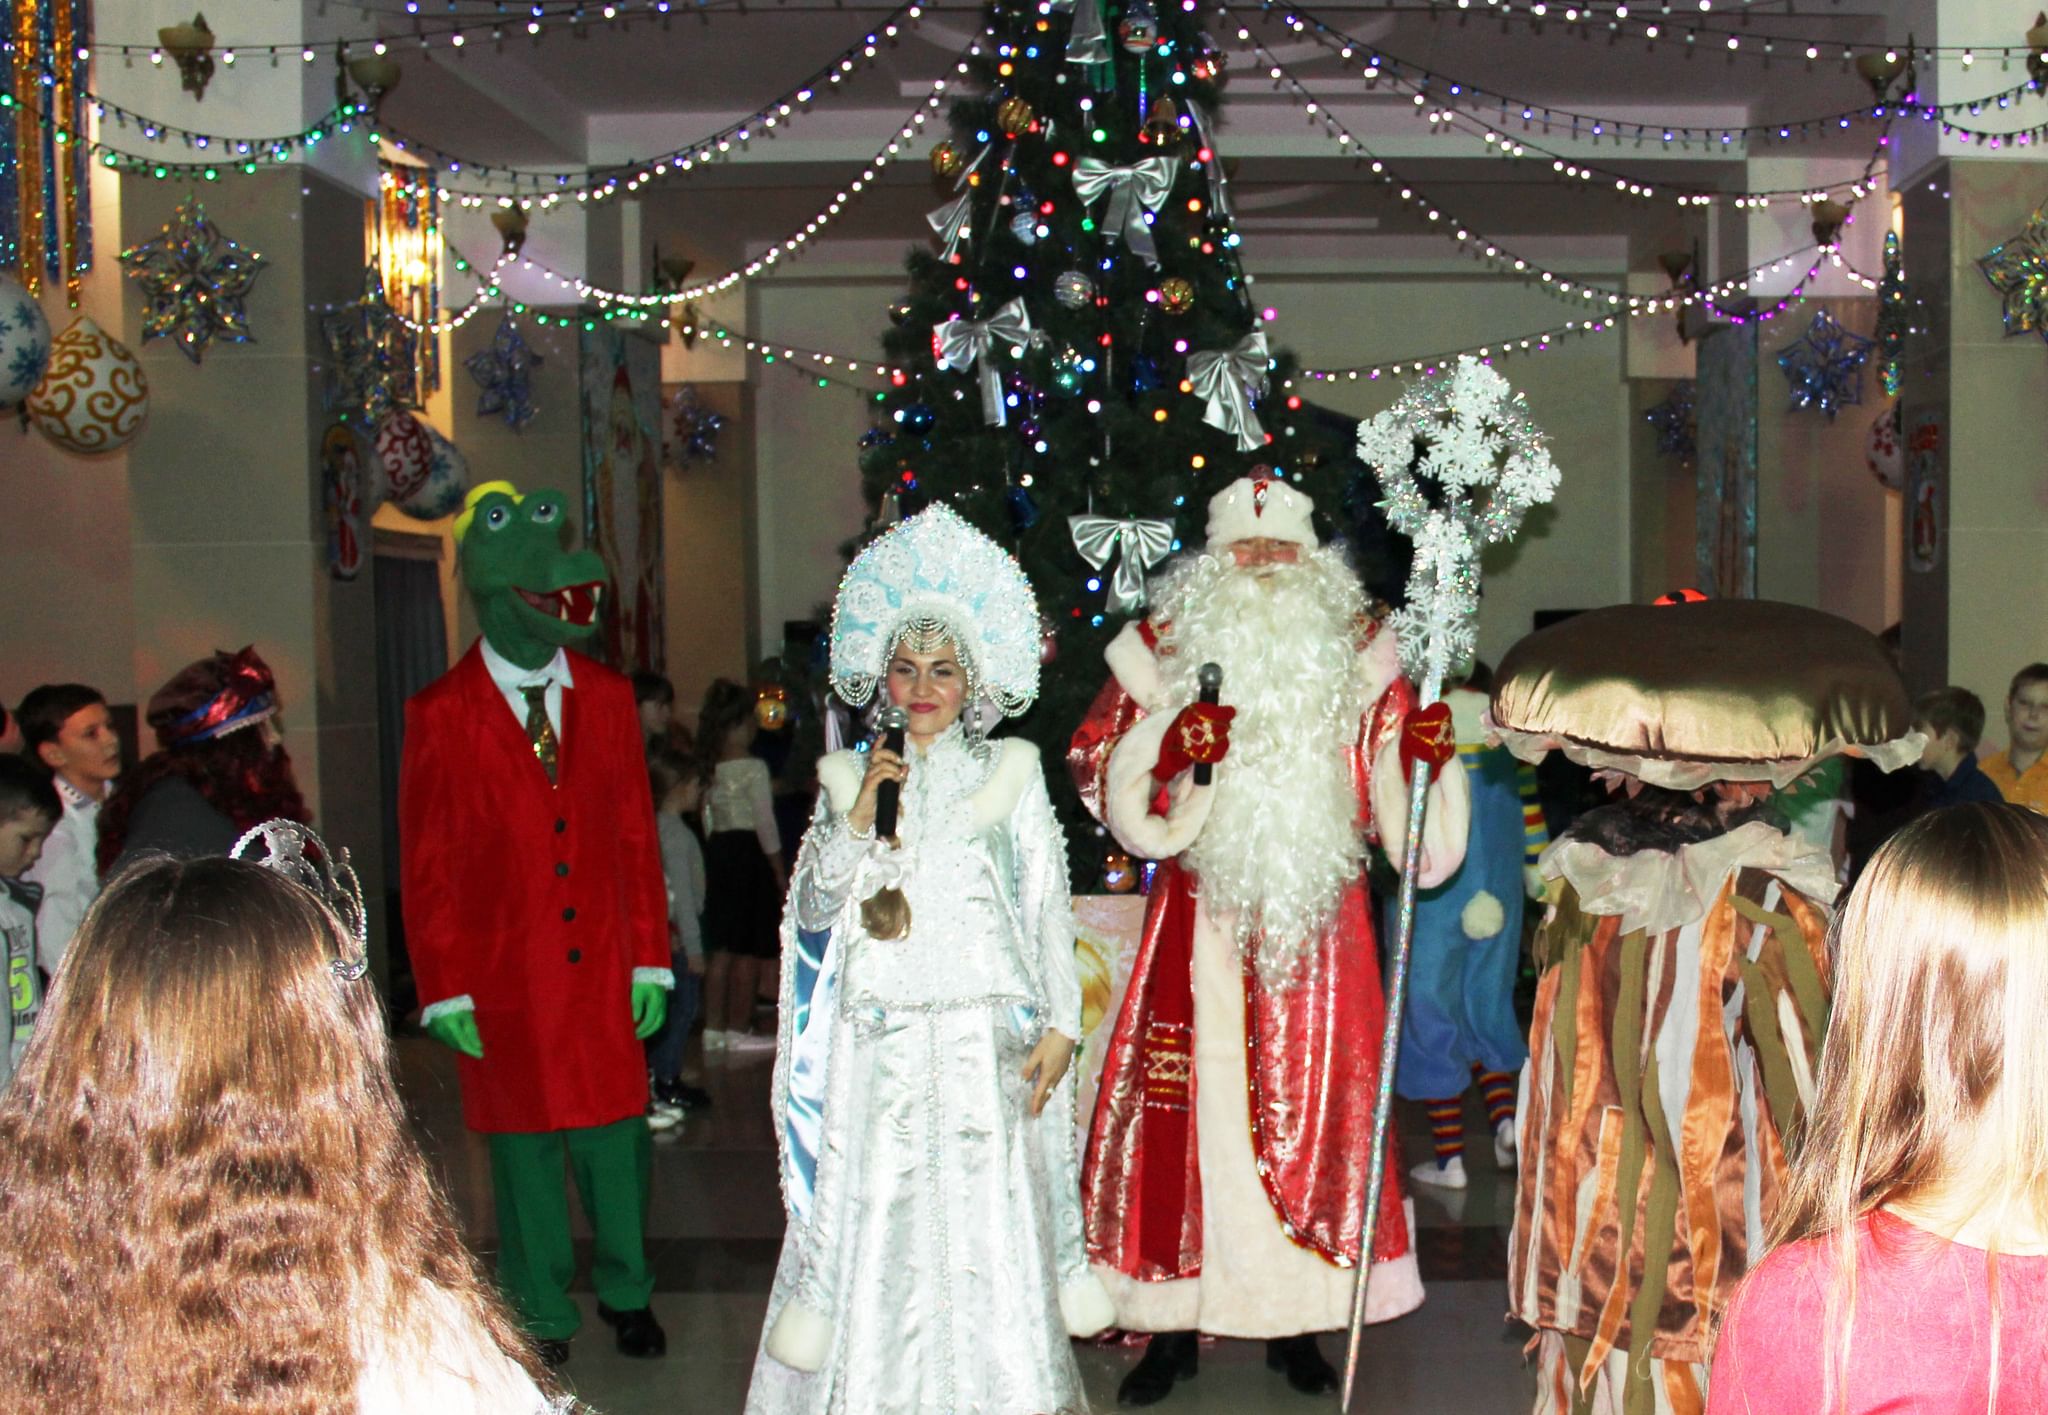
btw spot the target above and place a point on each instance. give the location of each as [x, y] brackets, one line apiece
[650, 1009]
[458, 1030]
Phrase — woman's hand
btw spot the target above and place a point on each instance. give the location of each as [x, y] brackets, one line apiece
[1045, 1066]
[883, 765]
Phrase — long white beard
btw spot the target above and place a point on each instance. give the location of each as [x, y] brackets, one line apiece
[1283, 838]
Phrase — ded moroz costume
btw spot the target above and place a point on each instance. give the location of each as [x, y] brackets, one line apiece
[1226, 1170]
[933, 1258]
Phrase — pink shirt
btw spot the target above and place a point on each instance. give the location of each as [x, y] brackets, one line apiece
[1922, 1330]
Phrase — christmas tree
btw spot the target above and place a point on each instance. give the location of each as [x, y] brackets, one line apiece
[1082, 340]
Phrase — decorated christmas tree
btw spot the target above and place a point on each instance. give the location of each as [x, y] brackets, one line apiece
[1080, 340]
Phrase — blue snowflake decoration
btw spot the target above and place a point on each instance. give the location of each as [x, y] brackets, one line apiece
[1824, 366]
[504, 373]
[24, 342]
[194, 283]
[1676, 421]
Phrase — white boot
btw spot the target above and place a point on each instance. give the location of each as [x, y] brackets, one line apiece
[1504, 1143]
[1444, 1174]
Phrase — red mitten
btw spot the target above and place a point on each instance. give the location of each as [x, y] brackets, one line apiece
[1427, 736]
[1200, 734]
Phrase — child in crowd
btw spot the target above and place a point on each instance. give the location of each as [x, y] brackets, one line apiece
[210, 1197]
[1911, 1266]
[655, 697]
[678, 789]
[66, 727]
[743, 861]
[29, 811]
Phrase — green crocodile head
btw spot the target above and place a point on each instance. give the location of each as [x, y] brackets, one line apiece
[532, 593]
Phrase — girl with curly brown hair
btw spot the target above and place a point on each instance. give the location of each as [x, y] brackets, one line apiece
[209, 1197]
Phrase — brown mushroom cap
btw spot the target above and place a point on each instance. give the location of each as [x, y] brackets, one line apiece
[1718, 690]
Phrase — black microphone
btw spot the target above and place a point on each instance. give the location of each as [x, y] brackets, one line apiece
[1210, 676]
[893, 722]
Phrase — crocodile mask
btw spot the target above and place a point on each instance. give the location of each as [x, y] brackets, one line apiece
[532, 593]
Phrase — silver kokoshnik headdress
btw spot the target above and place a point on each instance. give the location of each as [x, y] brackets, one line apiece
[929, 580]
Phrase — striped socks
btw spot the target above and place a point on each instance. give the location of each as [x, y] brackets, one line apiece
[1497, 1088]
[1447, 1127]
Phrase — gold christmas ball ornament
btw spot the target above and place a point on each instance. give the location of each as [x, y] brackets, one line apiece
[1014, 116]
[771, 706]
[1176, 296]
[946, 161]
[1119, 875]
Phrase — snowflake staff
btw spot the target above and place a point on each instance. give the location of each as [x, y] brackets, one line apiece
[1471, 434]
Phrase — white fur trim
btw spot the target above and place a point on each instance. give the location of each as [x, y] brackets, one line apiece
[1085, 1305]
[1445, 823]
[1483, 916]
[1238, 513]
[1128, 803]
[1015, 768]
[1135, 666]
[1380, 664]
[801, 1339]
[840, 774]
[664, 976]
[446, 1007]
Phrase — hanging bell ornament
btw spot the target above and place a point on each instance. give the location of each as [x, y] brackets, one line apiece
[1878, 70]
[376, 75]
[946, 161]
[1162, 125]
[1828, 216]
[511, 224]
[1073, 290]
[191, 49]
[1138, 30]
[1014, 116]
[1176, 296]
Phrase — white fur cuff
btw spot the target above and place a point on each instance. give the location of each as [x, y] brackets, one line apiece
[1483, 916]
[800, 1338]
[1085, 1305]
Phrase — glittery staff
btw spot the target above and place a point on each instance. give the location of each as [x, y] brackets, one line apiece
[1470, 433]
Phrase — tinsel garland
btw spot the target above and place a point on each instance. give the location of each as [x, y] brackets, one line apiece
[45, 189]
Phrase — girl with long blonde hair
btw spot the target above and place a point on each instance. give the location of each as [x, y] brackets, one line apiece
[210, 1200]
[1910, 1262]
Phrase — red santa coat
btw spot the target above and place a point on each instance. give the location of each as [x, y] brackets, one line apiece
[1311, 1049]
[535, 899]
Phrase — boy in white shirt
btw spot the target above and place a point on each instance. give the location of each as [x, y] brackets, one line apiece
[66, 727]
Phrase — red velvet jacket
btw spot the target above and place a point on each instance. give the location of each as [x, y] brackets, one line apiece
[536, 900]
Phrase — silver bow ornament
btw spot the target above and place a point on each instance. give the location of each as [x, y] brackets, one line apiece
[962, 343]
[1219, 182]
[1227, 380]
[1087, 39]
[1145, 544]
[949, 224]
[1132, 191]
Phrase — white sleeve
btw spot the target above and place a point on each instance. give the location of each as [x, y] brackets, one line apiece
[762, 788]
[70, 879]
[1046, 905]
[827, 861]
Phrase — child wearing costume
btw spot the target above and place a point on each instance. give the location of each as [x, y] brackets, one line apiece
[929, 1008]
[1686, 977]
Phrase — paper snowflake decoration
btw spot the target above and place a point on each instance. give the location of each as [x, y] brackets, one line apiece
[194, 281]
[1676, 421]
[504, 373]
[374, 352]
[1470, 433]
[1824, 366]
[2018, 270]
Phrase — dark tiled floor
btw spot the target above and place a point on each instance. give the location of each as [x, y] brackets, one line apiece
[715, 1229]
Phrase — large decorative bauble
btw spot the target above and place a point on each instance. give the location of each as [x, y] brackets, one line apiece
[915, 417]
[1884, 455]
[1014, 116]
[1024, 226]
[418, 470]
[1176, 296]
[946, 161]
[92, 397]
[1138, 30]
[24, 342]
[1073, 290]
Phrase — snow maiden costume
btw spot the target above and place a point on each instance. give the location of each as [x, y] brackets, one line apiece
[933, 1259]
[1685, 985]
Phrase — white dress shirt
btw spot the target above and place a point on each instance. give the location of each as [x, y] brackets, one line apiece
[68, 872]
[512, 681]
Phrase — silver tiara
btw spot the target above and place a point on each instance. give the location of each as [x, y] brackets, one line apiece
[301, 856]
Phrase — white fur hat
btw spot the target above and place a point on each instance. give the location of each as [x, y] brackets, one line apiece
[1254, 507]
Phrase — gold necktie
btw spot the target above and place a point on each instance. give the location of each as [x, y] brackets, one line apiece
[539, 729]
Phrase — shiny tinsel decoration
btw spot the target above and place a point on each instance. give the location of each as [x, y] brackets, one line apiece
[1824, 366]
[1676, 421]
[2018, 269]
[193, 281]
[691, 429]
[1891, 314]
[374, 366]
[504, 374]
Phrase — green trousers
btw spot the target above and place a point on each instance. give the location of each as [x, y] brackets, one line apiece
[536, 1261]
